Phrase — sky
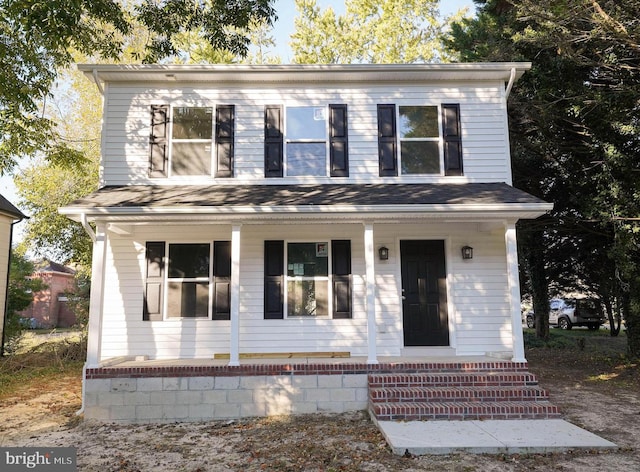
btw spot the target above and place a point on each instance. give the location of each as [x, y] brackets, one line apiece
[286, 12]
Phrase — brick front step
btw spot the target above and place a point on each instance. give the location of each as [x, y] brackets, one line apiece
[458, 394]
[423, 411]
[453, 379]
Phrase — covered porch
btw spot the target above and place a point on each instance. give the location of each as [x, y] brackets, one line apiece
[480, 298]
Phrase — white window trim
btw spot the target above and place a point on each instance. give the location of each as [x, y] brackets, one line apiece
[167, 279]
[287, 140]
[212, 142]
[439, 139]
[287, 278]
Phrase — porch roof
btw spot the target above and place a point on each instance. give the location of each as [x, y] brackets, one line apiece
[312, 200]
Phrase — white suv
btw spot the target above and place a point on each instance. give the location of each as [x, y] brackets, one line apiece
[570, 312]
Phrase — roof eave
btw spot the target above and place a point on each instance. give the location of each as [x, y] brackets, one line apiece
[242, 73]
[315, 212]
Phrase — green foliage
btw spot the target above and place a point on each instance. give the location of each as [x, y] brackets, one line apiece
[19, 295]
[388, 31]
[193, 48]
[38, 38]
[78, 302]
[46, 184]
[223, 24]
[575, 134]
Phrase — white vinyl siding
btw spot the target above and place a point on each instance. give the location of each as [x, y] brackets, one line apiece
[482, 114]
[5, 237]
[478, 297]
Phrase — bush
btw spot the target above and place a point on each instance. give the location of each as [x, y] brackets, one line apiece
[41, 363]
[19, 295]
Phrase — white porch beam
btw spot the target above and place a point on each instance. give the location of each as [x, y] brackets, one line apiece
[96, 298]
[514, 291]
[234, 358]
[121, 229]
[370, 281]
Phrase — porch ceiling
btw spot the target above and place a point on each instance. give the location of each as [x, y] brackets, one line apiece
[313, 201]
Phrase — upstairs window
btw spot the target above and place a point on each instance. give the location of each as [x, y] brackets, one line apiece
[191, 141]
[425, 141]
[306, 141]
[419, 140]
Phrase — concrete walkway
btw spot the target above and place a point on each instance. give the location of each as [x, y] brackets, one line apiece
[489, 437]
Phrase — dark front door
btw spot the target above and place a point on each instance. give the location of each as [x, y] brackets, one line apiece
[424, 293]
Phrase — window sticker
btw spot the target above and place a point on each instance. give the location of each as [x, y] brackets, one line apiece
[322, 250]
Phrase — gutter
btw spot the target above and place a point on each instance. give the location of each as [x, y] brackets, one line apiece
[288, 210]
[92, 235]
[94, 73]
[84, 377]
[87, 228]
[6, 298]
[512, 79]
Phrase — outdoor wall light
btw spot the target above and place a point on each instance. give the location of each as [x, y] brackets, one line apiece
[383, 253]
[467, 252]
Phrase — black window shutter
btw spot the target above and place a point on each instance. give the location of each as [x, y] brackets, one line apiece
[221, 280]
[338, 141]
[387, 141]
[273, 280]
[154, 283]
[452, 137]
[158, 141]
[225, 117]
[341, 268]
[273, 141]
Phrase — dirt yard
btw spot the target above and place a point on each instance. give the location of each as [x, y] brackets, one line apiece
[594, 388]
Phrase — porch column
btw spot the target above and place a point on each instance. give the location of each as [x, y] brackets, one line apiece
[96, 297]
[234, 357]
[514, 291]
[370, 282]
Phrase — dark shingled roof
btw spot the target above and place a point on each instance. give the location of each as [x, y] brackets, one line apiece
[46, 265]
[8, 208]
[304, 195]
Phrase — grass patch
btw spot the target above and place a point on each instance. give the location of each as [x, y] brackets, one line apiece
[555, 341]
[575, 339]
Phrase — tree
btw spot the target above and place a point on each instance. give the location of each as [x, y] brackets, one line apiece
[194, 49]
[19, 295]
[575, 133]
[38, 38]
[386, 31]
[44, 186]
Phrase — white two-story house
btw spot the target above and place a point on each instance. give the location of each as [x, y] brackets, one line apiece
[347, 211]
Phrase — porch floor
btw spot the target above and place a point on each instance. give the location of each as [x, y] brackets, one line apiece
[268, 361]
